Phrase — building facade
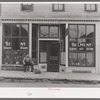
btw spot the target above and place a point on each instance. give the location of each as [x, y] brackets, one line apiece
[59, 37]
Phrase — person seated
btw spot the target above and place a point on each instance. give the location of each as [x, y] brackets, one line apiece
[27, 61]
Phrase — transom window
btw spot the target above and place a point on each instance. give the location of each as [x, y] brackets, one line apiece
[90, 7]
[51, 31]
[82, 45]
[27, 7]
[58, 7]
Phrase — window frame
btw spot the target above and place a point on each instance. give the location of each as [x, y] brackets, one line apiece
[58, 10]
[95, 10]
[29, 10]
[13, 37]
[94, 51]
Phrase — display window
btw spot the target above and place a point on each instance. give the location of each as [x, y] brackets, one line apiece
[15, 43]
[81, 45]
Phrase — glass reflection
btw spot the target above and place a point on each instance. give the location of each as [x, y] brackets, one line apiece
[53, 31]
[90, 31]
[73, 31]
[44, 31]
[81, 31]
[73, 44]
[15, 29]
[81, 44]
[90, 59]
[72, 58]
[24, 30]
[7, 29]
[81, 59]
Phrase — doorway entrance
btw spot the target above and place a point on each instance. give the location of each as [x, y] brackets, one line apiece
[49, 53]
[53, 57]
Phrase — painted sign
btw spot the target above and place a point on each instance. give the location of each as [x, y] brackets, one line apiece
[7, 45]
[81, 46]
[23, 45]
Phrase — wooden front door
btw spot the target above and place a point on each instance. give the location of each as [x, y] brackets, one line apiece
[53, 57]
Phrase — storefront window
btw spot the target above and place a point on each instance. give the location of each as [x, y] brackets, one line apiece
[81, 45]
[15, 46]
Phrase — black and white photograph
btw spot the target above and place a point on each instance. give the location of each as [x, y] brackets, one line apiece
[50, 45]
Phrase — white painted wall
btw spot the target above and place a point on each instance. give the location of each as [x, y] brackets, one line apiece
[45, 11]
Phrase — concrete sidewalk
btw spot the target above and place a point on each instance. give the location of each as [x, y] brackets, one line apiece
[50, 75]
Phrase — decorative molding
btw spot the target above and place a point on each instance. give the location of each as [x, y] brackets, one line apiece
[53, 20]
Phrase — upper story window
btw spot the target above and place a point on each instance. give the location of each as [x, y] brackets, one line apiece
[27, 7]
[90, 7]
[58, 7]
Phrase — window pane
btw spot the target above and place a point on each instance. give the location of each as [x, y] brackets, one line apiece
[7, 58]
[34, 44]
[81, 59]
[24, 43]
[15, 44]
[34, 31]
[73, 44]
[93, 7]
[73, 59]
[61, 7]
[16, 56]
[24, 30]
[90, 31]
[62, 31]
[15, 29]
[81, 44]
[54, 31]
[7, 29]
[56, 7]
[89, 44]
[81, 31]
[90, 59]
[44, 31]
[73, 31]
[88, 7]
[43, 52]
